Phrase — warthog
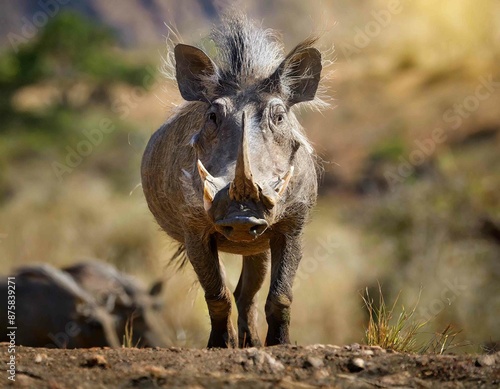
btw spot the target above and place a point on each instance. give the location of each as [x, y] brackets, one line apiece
[128, 300]
[53, 311]
[232, 171]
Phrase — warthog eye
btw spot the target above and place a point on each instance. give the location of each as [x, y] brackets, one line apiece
[212, 117]
[278, 114]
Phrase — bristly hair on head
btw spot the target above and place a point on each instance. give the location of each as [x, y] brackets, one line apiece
[244, 53]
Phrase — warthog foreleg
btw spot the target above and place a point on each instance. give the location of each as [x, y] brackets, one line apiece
[286, 253]
[252, 276]
[205, 260]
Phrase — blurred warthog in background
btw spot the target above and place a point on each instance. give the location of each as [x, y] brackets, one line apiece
[53, 311]
[132, 304]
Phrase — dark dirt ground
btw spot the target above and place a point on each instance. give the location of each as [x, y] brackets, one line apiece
[329, 366]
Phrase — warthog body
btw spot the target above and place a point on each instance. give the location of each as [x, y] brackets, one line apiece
[232, 171]
[53, 311]
[127, 299]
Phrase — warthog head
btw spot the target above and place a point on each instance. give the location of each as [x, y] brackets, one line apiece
[247, 145]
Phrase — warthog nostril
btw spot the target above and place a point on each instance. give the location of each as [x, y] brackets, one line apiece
[258, 229]
[227, 230]
[242, 228]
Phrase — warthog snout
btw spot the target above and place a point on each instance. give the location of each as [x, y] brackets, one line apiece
[242, 228]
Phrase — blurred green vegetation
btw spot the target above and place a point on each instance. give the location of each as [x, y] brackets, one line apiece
[69, 50]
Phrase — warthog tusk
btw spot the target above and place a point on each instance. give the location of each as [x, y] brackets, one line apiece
[203, 172]
[283, 182]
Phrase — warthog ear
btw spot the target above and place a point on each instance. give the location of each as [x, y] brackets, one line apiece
[298, 75]
[193, 68]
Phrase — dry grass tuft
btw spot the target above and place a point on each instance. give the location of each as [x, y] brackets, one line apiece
[128, 337]
[404, 333]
